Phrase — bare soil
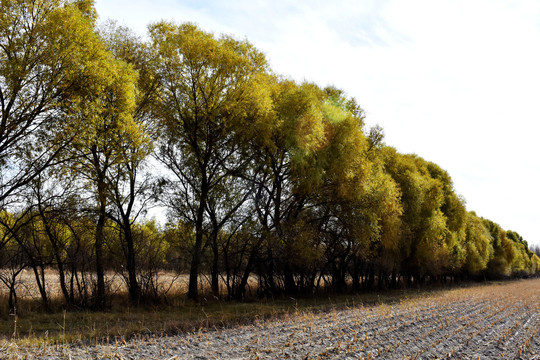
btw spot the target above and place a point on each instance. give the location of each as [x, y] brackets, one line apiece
[499, 321]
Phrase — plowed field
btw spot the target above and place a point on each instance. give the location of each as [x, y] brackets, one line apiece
[500, 321]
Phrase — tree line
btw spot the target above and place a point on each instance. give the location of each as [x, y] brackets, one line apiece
[262, 177]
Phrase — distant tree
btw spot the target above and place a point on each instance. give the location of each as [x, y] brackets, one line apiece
[477, 245]
[455, 214]
[504, 253]
[536, 249]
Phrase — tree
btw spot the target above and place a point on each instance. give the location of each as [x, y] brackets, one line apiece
[477, 245]
[454, 212]
[101, 148]
[25, 230]
[503, 251]
[209, 89]
[285, 149]
[129, 181]
[55, 201]
[424, 232]
[13, 259]
[45, 51]
[359, 195]
[57, 80]
[107, 112]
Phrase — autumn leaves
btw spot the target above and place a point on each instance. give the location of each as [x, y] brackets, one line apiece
[264, 176]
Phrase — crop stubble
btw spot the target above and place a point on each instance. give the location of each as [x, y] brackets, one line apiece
[500, 321]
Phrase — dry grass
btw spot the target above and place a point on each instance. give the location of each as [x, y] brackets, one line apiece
[168, 283]
[176, 314]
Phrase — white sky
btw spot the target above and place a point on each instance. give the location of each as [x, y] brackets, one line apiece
[454, 81]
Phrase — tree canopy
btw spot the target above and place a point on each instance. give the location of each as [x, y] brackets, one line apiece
[262, 177]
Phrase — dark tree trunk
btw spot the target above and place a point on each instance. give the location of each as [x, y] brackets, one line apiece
[393, 282]
[193, 290]
[270, 273]
[62, 277]
[40, 281]
[12, 300]
[58, 258]
[215, 266]
[245, 277]
[100, 272]
[356, 277]
[99, 239]
[290, 284]
[371, 280]
[134, 288]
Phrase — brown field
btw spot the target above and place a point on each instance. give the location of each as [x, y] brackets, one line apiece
[497, 321]
[169, 284]
[28, 290]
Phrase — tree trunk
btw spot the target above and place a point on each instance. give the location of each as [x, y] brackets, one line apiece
[40, 281]
[99, 238]
[193, 291]
[290, 284]
[98, 245]
[12, 300]
[269, 273]
[394, 282]
[61, 273]
[215, 266]
[133, 288]
[356, 276]
[59, 261]
[371, 279]
[245, 277]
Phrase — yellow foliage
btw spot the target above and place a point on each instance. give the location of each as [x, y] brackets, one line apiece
[478, 248]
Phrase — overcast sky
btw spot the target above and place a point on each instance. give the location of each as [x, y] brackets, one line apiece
[456, 82]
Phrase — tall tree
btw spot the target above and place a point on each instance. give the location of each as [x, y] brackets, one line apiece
[209, 89]
[477, 245]
[57, 80]
[45, 49]
[130, 180]
[285, 148]
[104, 120]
